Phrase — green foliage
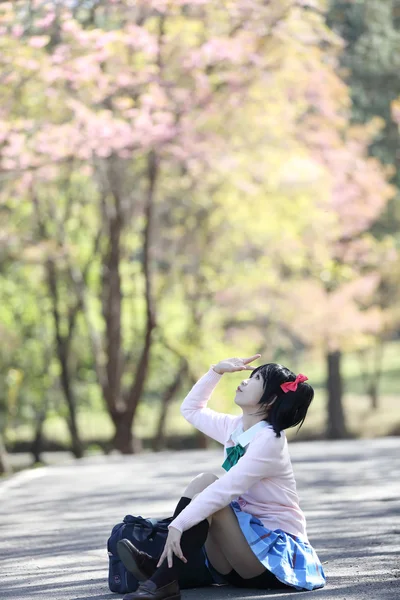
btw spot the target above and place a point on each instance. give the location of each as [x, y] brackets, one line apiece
[236, 138]
[95, 423]
[371, 65]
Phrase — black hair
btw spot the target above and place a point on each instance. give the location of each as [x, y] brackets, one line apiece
[289, 408]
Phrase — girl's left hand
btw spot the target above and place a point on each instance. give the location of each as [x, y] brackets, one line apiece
[172, 546]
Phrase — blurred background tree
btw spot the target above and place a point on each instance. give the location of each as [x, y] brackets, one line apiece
[180, 180]
[370, 64]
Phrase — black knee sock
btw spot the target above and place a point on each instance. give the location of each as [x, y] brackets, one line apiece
[183, 503]
[266, 580]
[191, 541]
[233, 578]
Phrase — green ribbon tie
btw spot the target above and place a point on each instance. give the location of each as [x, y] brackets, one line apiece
[233, 455]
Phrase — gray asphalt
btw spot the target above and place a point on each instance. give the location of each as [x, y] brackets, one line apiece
[55, 521]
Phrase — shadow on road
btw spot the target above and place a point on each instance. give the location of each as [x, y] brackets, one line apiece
[54, 528]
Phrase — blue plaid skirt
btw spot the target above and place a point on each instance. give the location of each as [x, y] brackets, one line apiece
[290, 559]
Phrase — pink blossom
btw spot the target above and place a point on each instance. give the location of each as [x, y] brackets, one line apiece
[46, 21]
[101, 55]
[86, 170]
[106, 38]
[122, 103]
[309, 3]
[15, 144]
[27, 179]
[8, 164]
[139, 38]
[4, 129]
[103, 151]
[159, 5]
[11, 78]
[53, 74]
[86, 68]
[48, 172]
[39, 41]
[17, 30]
[69, 25]
[218, 49]
[124, 79]
[83, 152]
[25, 160]
[396, 111]
[31, 64]
[61, 54]
[125, 154]
[50, 92]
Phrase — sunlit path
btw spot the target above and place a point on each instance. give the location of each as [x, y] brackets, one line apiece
[55, 521]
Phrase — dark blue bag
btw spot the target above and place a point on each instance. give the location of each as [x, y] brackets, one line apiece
[148, 535]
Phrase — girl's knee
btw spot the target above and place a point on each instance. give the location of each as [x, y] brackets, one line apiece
[199, 483]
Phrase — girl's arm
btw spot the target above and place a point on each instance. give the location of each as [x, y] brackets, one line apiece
[194, 408]
[260, 460]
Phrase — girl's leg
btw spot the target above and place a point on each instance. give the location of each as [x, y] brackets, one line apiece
[143, 564]
[226, 546]
[226, 538]
[216, 557]
[198, 484]
[191, 541]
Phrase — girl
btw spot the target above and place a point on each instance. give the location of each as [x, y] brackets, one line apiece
[248, 522]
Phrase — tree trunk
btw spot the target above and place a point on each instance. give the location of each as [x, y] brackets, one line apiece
[203, 441]
[373, 394]
[133, 394]
[112, 302]
[62, 342]
[376, 373]
[371, 377]
[122, 404]
[335, 426]
[76, 447]
[62, 347]
[158, 442]
[37, 443]
[5, 467]
[124, 440]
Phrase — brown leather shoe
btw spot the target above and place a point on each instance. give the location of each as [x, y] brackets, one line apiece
[141, 564]
[149, 591]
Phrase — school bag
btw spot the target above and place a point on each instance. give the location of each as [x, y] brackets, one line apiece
[148, 535]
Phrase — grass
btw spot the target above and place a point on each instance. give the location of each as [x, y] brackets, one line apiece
[361, 420]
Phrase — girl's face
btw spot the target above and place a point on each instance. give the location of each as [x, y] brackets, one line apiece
[251, 392]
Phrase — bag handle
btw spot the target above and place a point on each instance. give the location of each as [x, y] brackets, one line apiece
[152, 525]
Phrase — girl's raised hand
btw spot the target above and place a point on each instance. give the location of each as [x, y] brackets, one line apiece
[230, 365]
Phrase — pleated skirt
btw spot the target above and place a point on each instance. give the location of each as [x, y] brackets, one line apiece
[292, 561]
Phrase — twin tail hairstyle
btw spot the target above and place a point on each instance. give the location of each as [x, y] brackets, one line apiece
[282, 409]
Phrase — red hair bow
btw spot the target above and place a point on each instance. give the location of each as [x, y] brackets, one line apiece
[291, 386]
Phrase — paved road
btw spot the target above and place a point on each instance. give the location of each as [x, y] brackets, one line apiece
[55, 521]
